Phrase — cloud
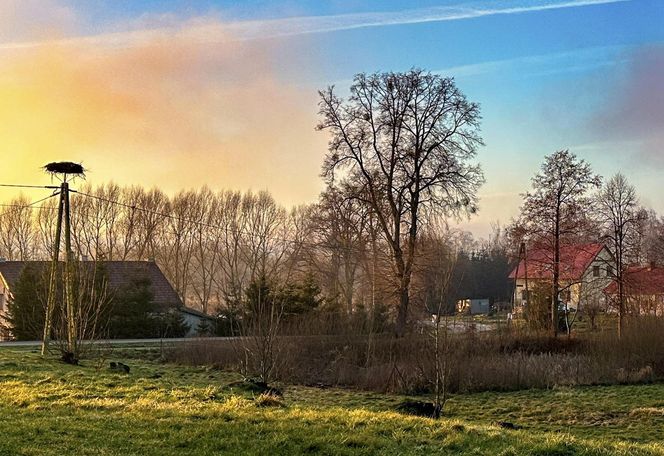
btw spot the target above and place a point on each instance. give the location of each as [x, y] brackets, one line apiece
[546, 64]
[29, 19]
[203, 30]
[635, 110]
[171, 111]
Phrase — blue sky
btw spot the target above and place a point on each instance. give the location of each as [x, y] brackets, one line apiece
[550, 74]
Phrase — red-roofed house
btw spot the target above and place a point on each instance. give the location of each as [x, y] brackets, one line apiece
[585, 270]
[643, 290]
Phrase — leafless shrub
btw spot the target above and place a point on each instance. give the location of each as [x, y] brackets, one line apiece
[476, 361]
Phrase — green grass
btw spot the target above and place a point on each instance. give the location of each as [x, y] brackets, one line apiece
[48, 408]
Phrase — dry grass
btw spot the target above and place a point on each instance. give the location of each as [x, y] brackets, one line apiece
[499, 360]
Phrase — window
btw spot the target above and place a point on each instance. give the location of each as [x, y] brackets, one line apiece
[609, 271]
[595, 271]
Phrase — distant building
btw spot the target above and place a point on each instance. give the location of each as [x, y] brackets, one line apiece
[643, 290]
[585, 271]
[119, 274]
[474, 306]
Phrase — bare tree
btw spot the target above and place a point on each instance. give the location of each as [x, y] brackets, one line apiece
[340, 228]
[150, 222]
[17, 230]
[405, 140]
[206, 246]
[436, 269]
[266, 236]
[233, 271]
[650, 239]
[177, 250]
[555, 208]
[618, 211]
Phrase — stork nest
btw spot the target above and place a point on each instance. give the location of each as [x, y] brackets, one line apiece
[71, 168]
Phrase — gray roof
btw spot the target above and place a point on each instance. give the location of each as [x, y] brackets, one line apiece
[120, 274]
[196, 313]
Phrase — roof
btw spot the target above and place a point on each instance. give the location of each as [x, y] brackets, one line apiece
[120, 274]
[574, 261]
[640, 281]
[197, 313]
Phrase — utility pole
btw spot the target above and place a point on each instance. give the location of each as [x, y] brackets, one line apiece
[52, 284]
[69, 264]
[64, 214]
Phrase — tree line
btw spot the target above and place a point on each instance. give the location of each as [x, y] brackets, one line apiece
[401, 163]
[214, 246]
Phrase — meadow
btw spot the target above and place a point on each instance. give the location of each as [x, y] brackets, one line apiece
[49, 408]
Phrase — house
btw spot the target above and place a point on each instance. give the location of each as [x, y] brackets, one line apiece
[585, 271]
[119, 275]
[643, 290]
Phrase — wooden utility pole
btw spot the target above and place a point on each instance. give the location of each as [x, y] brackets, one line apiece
[69, 264]
[52, 284]
[64, 214]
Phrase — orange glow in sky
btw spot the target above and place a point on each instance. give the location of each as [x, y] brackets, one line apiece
[170, 112]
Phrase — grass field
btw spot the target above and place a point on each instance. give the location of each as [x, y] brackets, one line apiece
[48, 408]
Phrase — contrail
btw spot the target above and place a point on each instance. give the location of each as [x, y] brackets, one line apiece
[215, 31]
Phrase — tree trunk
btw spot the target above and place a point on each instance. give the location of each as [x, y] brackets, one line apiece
[621, 289]
[403, 292]
[556, 275]
[621, 307]
[402, 311]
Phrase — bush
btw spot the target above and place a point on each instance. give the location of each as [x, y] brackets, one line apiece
[132, 307]
[169, 324]
[477, 361]
[28, 308]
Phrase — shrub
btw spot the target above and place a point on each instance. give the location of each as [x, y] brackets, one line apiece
[499, 360]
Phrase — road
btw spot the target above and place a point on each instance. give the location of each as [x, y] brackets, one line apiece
[37, 343]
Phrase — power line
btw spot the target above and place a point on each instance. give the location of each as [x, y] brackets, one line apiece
[157, 213]
[207, 225]
[26, 206]
[32, 205]
[145, 210]
[149, 211]
[29, 186]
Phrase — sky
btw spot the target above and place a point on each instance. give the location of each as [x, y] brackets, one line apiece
[183, 93]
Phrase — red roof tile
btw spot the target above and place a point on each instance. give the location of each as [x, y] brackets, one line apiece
[640, 281]
[574, 261]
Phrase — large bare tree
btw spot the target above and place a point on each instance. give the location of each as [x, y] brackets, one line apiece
[620, 215]
[555, 210]
[406, 141]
